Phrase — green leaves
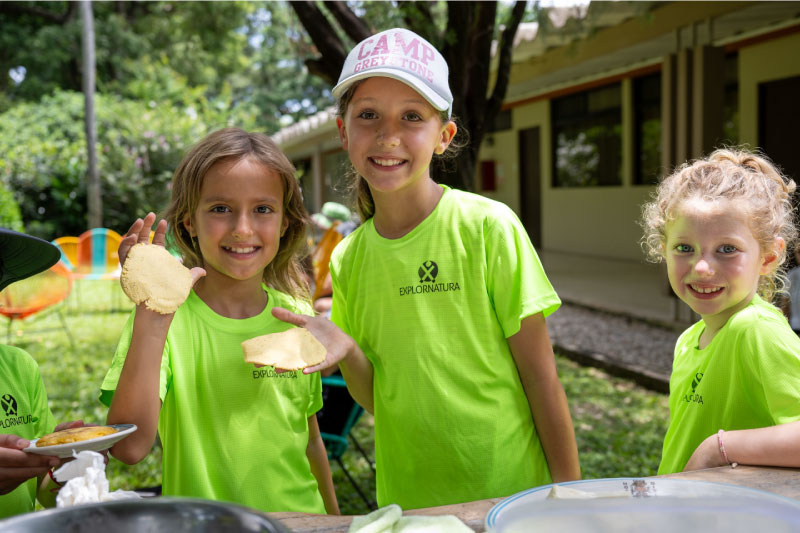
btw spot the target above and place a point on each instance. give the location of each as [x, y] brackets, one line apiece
[43, 155]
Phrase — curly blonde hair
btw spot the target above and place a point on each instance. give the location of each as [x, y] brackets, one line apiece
[736, 175]
[285, 272]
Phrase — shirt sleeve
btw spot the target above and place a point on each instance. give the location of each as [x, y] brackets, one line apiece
[111, 379]
[775, 359]
[339, 304]
[46, 422]
[517, 283]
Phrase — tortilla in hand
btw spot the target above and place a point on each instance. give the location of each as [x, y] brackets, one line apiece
[66, 436]
[293, 349]
[153, 277]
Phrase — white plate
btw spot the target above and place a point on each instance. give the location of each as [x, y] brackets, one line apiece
[655, 505]
[96, 444]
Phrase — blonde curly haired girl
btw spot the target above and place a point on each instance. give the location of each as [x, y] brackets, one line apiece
[722, 224]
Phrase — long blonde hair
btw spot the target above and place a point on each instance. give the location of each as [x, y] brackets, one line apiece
[285, 271]
[733, 174]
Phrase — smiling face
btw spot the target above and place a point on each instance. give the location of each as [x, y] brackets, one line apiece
[239, 219]
[713, 260]
[391, 133]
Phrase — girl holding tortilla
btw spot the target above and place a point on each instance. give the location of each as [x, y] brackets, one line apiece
[441, 300]
[229, 432]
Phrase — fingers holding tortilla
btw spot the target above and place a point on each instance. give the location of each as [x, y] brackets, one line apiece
[293, 349]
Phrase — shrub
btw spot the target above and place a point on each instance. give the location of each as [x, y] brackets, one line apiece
[43, 158]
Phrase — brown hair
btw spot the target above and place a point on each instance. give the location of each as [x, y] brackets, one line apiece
[361, 196]
[736, 175]
[285, 271]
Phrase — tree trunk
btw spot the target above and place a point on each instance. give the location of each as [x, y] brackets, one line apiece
[93, 193]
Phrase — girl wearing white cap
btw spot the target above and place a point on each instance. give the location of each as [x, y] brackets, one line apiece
[442, 298]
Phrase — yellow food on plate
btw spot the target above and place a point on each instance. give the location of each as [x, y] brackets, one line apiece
[293, 349]
[66, 436]
[151, 275]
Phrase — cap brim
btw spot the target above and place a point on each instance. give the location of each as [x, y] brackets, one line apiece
[22, 256]
[429, 94]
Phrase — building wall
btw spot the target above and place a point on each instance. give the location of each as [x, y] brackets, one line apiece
[596, 221]
[766, 61]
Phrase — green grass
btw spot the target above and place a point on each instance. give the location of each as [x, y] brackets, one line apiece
[619, 426]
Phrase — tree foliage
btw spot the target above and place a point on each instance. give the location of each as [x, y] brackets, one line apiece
[463, 32]
[159, 65]
[244, 53]
[43, 161]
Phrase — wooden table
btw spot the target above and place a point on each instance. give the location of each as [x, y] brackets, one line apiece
[783, 481]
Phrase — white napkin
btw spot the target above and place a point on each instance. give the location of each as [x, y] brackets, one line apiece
[86, 481]
[390, 519]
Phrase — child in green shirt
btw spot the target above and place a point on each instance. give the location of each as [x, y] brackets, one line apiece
[230, 431]
[723, 224]
[442, 298]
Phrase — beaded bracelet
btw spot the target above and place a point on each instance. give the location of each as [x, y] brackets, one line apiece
[722, 450]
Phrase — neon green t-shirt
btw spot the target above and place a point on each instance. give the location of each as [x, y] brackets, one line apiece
[23, 412]
[230, 431]
[748, 377]
[432, 311]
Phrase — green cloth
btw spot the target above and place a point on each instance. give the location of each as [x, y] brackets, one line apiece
[747, 377]
[230, 431]
[390, 519]
[432, 311]
[23, 412]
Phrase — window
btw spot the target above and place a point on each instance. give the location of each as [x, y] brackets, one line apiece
[501, 122]
[647, 129]
[587, 138]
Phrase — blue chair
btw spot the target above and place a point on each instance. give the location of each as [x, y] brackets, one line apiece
[336, 419]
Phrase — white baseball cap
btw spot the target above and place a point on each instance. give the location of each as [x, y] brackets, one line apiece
[403, 55]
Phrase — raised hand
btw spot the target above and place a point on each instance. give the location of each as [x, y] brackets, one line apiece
[140, 232]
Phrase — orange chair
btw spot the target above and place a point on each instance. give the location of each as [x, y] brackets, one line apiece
[97, 256]
[69, 251]
[35, 294]
[321, 257]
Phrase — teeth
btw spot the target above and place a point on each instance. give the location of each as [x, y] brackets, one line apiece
[242, 250]
[707, 290]
[387, 162]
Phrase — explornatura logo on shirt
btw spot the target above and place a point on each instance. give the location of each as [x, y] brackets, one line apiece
[269, 372]
[427, 273]
[694, 397]
[9, 405]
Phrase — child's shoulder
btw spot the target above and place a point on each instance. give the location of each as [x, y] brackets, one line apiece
[471, 208]
[16, 360]
[759, 319]
[757, 311]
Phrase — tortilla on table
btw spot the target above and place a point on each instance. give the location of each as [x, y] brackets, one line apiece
[293, 349]
[66, 436]
[151, 275]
